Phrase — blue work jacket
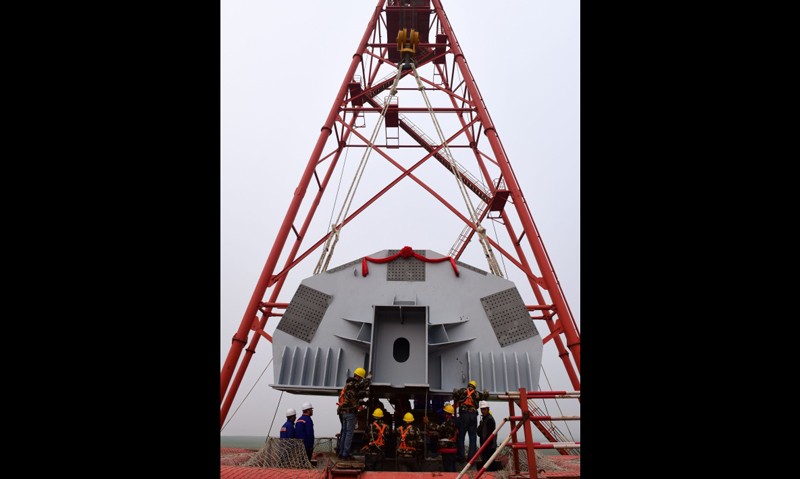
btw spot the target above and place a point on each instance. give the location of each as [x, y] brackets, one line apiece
[287, 430]
[304, 429]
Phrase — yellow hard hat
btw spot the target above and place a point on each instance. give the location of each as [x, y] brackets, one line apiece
[474, 384]
[378, 412]
[449, 409]
[408, 417]
[361, 373]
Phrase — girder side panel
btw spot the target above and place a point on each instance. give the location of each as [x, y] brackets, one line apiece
[455, 343]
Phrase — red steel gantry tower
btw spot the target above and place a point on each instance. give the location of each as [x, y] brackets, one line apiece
[403, 39]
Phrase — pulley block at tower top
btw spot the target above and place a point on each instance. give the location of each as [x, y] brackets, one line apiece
[407, 42]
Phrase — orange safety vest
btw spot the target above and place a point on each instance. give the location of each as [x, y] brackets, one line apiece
[341, 397]
[468, 401]
[403, 438]
[379, 442]
[380, 434]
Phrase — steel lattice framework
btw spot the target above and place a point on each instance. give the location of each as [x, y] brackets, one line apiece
[360, 107]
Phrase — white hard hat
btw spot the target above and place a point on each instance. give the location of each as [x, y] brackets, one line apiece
[291, 412]
[307, 405]
[483, 404]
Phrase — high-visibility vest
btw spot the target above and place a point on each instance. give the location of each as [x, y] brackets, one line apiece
[380, 434]
[403, 438]
[341, 397]
[468, 401]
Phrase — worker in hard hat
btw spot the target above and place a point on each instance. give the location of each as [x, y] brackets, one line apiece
[409, 445]
[287, 430]
[304, 428]
[485, 430]
[285, 448]
[354, 388]
[375, 439]
[447, 433]
[467, 400]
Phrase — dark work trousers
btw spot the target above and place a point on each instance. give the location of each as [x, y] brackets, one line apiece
[431, 447]
[468, 426]
[449, 461]
[348, 421]
[373, 462]
[486, 454]
[407, 464]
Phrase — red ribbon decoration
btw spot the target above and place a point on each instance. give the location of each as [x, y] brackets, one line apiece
[406, 253]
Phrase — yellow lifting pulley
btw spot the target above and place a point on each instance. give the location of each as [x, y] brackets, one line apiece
[407, 43]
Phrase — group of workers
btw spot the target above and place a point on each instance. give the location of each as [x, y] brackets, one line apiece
[451, 432]
[302, 428]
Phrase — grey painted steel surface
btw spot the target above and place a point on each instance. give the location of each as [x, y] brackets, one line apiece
[415, 325]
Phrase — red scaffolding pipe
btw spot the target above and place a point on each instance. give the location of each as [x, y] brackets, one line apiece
[557, 445]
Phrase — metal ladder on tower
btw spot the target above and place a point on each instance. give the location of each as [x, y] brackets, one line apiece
[467, 232]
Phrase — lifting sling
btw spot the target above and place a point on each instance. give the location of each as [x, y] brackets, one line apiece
[333, 235]
[487, 249]
[327, 250]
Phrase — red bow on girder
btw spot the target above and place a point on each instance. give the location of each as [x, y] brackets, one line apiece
[406, 252]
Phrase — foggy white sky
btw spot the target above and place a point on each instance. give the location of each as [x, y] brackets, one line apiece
[281, 66]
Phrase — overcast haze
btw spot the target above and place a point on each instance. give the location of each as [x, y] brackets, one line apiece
[282, 64]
